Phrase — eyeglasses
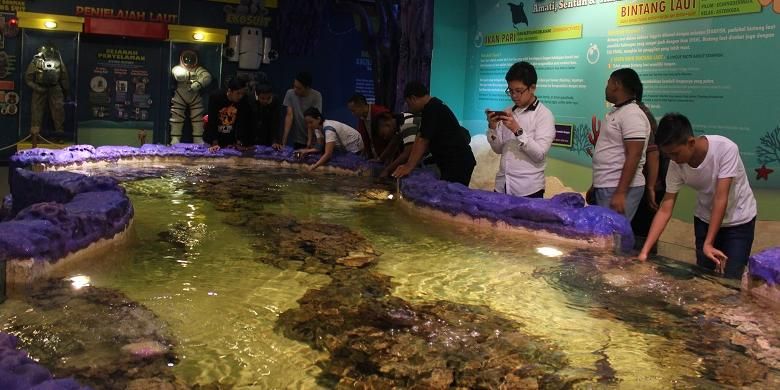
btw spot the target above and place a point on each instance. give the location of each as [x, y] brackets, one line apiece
[518, 91]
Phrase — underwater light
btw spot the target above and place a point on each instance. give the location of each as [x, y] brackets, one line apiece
[79, 281]
[549, 251]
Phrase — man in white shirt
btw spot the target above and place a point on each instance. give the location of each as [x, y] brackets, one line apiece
[522, 135]
[618, 182]
[725, 216]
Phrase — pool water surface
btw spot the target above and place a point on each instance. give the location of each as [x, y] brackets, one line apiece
[222, 256]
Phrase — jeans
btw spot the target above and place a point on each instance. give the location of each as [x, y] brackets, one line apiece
[633, 197]
[734, 241]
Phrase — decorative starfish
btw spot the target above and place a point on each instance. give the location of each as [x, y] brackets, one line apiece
[763, 172]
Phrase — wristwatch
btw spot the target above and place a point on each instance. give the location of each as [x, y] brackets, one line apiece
[519, 132]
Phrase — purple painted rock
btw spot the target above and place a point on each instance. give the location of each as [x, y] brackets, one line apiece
[19, 372]
[765, 265]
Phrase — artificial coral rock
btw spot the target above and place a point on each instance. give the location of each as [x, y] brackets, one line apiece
[57, 213]
[564, 215]
[19, 372]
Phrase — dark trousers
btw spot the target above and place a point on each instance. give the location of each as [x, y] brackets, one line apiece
[457, 174]
[642, 220]
[537, 194]
[734, 241]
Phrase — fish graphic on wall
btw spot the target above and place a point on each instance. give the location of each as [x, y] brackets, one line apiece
[518, 14]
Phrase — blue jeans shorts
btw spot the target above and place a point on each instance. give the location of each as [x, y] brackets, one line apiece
[633, 197]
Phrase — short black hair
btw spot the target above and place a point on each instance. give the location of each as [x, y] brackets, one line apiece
[673, 129]
[236, 83]
[263, 88]
[313, 112]
[304, 78]
[357, 98]
[522, 71]
[415, 88]
[629, 79]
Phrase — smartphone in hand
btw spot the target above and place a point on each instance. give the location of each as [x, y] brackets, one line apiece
[497, 113]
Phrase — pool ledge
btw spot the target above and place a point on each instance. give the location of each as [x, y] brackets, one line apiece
[55, 218]
[603, 243]
[763, 278]
[564, 217]
[21, 273]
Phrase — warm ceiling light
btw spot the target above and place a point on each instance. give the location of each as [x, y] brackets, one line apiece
[50, 24]
[198, 36]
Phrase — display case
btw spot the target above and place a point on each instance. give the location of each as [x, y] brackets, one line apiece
[195, 73]
[49, 85]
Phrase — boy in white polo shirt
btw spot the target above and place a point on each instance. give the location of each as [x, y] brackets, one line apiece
[522, 135]
[619, 156]
[725, 217]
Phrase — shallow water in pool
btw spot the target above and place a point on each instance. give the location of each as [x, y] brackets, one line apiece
[200, 263]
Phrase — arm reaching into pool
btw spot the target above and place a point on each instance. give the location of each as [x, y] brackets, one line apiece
[326, 155]
[418, 151]
[401, 159]
[660, 221]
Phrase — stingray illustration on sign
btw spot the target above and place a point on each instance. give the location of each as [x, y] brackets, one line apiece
[518, 14]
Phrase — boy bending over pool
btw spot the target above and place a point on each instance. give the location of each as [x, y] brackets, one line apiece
[725, 216]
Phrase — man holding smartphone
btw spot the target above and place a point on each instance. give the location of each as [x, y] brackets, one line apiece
[522, 134]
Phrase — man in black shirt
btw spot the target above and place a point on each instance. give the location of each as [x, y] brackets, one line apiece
[441, 133]
[269, 116]
[230, 117]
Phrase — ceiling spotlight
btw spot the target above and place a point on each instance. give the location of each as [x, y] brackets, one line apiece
[50, 24]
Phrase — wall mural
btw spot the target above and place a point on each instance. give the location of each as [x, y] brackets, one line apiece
[707, 59]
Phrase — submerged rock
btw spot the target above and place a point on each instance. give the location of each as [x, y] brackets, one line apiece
[376, 340]
[98, 336]
[309, 246]
[184, 235]
[222, 189]
[738, 342]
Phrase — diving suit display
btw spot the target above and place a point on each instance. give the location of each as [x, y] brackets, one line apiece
[187, 104]
[48, 78]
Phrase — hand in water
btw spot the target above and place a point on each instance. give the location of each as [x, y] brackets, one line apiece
[716, 256]
[402, 170]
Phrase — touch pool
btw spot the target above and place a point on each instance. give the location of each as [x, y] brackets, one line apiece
[247, 278]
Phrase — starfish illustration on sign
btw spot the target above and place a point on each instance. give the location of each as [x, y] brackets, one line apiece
[763, 172]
